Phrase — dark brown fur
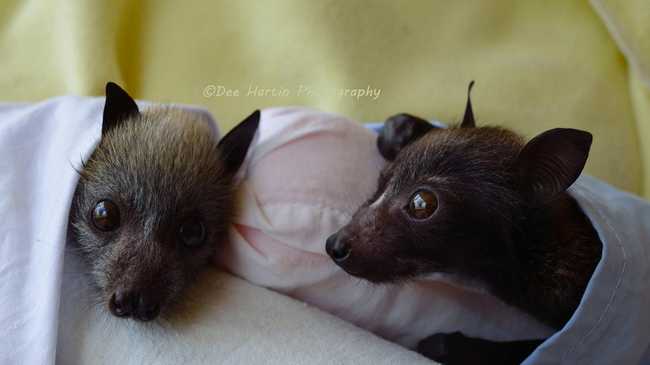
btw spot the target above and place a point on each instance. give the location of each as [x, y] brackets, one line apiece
[503, 220]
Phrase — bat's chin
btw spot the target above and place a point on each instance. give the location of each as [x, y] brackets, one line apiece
[359, 264]
[370, 274]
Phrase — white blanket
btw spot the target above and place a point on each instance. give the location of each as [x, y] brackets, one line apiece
[224, 320]
[39, 144]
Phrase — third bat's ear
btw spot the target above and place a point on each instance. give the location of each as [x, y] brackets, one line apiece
[119, 106]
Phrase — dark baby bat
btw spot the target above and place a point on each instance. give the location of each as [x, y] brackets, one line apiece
[480, 206]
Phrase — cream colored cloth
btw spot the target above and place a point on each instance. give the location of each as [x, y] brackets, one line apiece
[225, 320]
[538, 65]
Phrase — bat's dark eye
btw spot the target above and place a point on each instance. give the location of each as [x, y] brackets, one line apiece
[106, 216]
[192, 233]
[422, 204]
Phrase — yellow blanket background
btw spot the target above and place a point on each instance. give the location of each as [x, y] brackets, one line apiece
[538, 64]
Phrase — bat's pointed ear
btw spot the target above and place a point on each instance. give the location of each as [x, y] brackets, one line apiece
[551, 162]
[119, 106]
[468, 118]
[234, 145]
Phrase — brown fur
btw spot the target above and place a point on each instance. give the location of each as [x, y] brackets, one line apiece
[503, 219]
[155, 187]
[537, 258]
[162, 168]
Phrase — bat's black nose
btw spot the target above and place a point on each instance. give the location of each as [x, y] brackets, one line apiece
[338, 249]
[131, 303]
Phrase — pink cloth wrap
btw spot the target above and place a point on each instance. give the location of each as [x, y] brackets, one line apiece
[306, 174]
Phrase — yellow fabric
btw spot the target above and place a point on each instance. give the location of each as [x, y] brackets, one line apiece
[629, 24]
[538, 64]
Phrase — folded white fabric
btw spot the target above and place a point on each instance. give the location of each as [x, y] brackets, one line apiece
[39, 145]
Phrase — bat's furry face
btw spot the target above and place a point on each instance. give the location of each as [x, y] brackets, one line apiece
[446, 204]
[468, 201]
[153, 202]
